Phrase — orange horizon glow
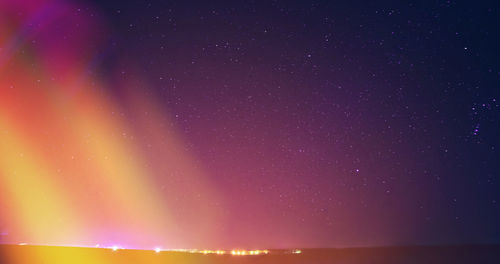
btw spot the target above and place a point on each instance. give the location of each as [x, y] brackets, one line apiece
[73, 169]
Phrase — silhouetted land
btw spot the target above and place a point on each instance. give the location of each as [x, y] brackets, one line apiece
[386, 255]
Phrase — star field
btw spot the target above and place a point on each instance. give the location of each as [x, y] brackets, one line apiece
[318, 123]
[328, 115]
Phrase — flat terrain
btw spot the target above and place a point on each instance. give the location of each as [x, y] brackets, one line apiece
[387, 255]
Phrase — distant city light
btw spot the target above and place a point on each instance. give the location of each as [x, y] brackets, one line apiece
[235, 252]
[248, 252]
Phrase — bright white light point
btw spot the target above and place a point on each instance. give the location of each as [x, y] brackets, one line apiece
[114, 248]
[157, 250]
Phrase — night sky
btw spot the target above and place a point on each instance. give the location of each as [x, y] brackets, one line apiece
[266, 124]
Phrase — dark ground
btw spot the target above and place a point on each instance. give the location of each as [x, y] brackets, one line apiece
[415, 254]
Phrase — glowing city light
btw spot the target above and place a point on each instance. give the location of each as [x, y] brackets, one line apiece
[235, 252]
[114, 248]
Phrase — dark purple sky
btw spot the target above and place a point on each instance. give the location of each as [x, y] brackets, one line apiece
[331, 123]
